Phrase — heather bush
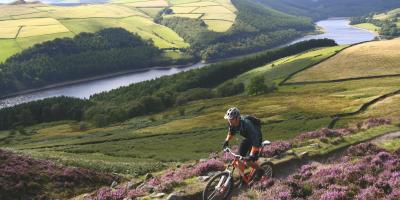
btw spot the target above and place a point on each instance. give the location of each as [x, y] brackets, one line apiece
[371, 174]
[276, 148]
[163, 183]
[22, 177]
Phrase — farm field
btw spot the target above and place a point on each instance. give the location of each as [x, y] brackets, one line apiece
[368, 26]
[219, 15]
[41, 22]
[149, 143]
[368, 59]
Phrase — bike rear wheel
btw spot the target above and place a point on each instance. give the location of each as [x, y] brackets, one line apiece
[218, 187]
[268, 170]
[268, 173]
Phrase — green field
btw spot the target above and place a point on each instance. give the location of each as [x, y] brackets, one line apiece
[155, 141]
[41, 22]
[368, 26]
[368, 59]
[274, 74]
[219, 15]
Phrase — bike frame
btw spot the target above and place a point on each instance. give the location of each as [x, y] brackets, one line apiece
[238, 163]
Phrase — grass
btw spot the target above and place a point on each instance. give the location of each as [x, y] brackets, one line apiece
[30, 27]
[368, 59]
[154, 139]
[390, 145]
[387, 15]
[39, 22]
[224, 16]
[162, 36]
[388, 108]
[28, 31]
[152, 12]
[218, 25]
[147, 4]
[91, 10]
[26, 42]
[219, 15]
[193, 16]
[160, 140]
[276, 71]
[345, 141]
[9, 47]
[183, 10]
[9, 32]
[9, 10]
[193, 3]
[368, 26]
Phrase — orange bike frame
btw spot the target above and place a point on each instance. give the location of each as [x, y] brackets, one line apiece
[242, 166]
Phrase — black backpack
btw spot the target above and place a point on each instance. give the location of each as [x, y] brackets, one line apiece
[256, 121]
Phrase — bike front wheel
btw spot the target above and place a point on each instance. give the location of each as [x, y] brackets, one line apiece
[218, 187]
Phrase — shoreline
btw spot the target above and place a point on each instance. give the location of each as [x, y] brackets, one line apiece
[94, 78]
[374, 32]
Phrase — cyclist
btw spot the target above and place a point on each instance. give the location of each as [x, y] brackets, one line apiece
[251, 144]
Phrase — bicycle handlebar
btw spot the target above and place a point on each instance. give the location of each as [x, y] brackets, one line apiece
[227, 149]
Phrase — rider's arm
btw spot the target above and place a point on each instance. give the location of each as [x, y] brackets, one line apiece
[229, 136]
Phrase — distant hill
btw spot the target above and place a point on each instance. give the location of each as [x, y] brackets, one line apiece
[327, 8]
[387, 23]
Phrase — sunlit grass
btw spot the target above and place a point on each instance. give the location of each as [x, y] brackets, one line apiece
[367, 59]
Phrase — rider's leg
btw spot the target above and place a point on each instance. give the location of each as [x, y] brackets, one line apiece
[244, 147]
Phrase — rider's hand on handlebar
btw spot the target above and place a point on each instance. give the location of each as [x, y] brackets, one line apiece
[251, 158]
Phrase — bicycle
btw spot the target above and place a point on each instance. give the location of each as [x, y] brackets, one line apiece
[221, 185]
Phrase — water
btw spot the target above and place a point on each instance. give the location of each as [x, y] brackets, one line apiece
[337, 29]
[340, 31]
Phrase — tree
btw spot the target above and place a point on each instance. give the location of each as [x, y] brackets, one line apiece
[257, 86]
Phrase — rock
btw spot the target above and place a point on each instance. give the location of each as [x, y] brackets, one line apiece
[148, 176]
[211, 174]
[203, 178]
[175, 196]
[113, 184]
[129, 185]
[303, 154]
[157, 195]
[203, 160]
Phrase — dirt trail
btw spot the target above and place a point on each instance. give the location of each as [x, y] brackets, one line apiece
[388, 136]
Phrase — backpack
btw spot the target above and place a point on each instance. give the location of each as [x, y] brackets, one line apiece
[256, 121]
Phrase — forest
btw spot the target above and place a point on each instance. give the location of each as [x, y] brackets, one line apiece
[85, 55]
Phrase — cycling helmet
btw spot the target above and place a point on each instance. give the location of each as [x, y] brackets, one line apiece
[232, 113]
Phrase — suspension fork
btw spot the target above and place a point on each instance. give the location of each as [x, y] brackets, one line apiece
[225, 181]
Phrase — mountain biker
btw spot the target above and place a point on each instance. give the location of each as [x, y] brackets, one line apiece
[251, 144]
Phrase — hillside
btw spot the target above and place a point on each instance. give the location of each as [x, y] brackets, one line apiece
[356, 101]
[85, 55]
[24, 25]
[385, 23]
[323, 9]
[370, 59]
